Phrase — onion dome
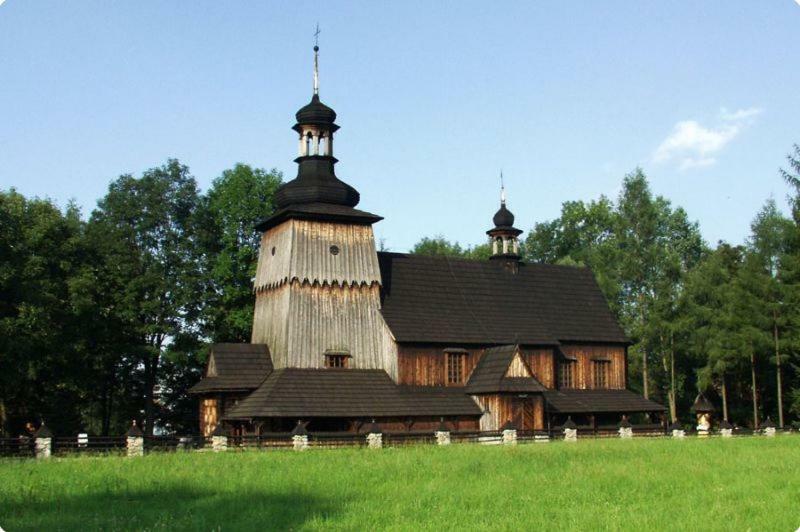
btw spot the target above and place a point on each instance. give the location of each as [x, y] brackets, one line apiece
[702, 405]
[316, 113]
[503, 217]
[316, 183]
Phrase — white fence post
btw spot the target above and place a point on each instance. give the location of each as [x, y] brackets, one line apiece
[442, 434]
[219, 439]
[625, 428]
[375, 436]
[570, 430]
[43, 445]
[509, 433]
[300, 437]
[676, 429]
[135, 441]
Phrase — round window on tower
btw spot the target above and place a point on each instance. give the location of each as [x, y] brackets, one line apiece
[334, 250]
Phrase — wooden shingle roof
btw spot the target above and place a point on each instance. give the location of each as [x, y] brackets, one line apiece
[234, 367]
[588, 401]
[304, 393]
[489, 376]
[441, 299]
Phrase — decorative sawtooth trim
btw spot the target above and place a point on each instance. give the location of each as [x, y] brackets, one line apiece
[316, 283]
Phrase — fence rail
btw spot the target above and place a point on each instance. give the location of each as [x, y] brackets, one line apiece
[27, 447]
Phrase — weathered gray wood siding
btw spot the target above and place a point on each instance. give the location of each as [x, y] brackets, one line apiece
[309, 300]
[302, 251]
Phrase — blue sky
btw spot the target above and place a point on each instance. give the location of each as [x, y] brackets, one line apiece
[433, 99]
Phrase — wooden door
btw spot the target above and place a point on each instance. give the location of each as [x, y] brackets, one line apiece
[522, 409]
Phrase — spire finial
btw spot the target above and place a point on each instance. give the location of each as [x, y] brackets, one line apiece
[502, 189]
[316, 60]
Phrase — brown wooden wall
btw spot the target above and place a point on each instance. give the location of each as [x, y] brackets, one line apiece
[209, 415]
[426, 365]
[584, 375]
[527, 413]
[540, 362]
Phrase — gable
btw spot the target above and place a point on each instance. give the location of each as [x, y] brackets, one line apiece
[445, 300]
[211, 368]
[234, 367]
[518, 367]
[502, 370]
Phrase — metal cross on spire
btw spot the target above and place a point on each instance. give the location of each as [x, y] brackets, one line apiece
[316, 60]
[502, 190]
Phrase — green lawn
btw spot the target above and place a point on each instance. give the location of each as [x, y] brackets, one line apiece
[737, 484]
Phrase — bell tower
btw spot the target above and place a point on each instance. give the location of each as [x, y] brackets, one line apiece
[317, 281]
[504, 237]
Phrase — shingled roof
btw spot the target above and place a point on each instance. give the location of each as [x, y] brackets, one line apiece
[440, 299]
[489, 376]
[234, 367]
[587, 401]
[304, 393]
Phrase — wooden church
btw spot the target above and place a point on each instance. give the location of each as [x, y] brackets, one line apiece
[344, 334]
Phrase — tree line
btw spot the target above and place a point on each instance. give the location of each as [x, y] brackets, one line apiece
[722, 320]
[107, 318]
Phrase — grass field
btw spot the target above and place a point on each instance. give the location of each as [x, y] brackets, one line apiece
[737, 484]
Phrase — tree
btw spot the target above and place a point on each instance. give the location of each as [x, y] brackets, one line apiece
[768, 245]
[639, 249]
[440, 246]
[147, 238]
[41, 378]
[790, 278]
[238, 199]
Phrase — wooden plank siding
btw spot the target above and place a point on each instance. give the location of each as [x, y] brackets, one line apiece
[310, 300]
[526, 412]
[541, 363]
[584, 370]
[427, 366]
[209, 415]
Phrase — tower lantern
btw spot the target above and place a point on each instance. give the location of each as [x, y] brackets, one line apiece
[504, 236]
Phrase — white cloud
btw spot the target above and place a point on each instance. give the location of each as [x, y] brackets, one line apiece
[693, 145]
[740, 115]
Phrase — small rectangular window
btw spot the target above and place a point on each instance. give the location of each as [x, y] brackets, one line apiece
[601, 370]
[566, 374]
[337, 360]
[456, 365]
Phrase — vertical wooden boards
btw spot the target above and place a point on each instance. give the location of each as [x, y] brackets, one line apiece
[318, 289]
[585, 354]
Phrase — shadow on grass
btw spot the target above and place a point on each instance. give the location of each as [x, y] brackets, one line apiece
[169, 509]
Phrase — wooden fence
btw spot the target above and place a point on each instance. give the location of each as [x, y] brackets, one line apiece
[26, 447]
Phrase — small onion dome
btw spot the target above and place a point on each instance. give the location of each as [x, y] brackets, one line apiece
[768, 424]
[569, 424]
[134, 431]
[43, 432]
[725, 425]
[509, 425]
[702, 405]
[300, 429]
[624, 423]
[374, 428]
[219, 430]
[503, 217]
[675, 426]
[315, 112]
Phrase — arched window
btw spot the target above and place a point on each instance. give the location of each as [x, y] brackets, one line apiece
[323, 144]
[308, 143]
